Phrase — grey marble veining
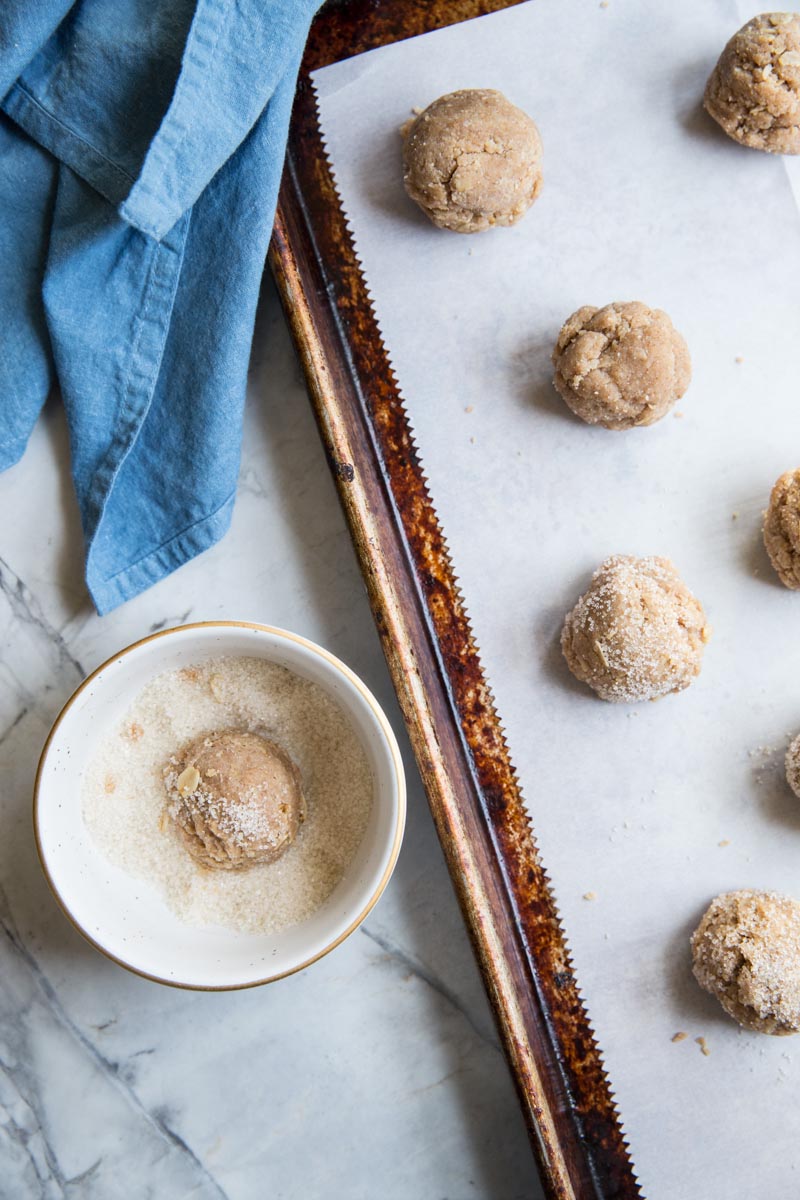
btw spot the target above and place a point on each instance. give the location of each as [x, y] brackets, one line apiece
[377, 1070]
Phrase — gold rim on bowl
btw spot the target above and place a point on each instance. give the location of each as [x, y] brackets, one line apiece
[400, 785]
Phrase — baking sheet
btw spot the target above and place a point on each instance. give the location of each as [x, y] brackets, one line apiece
[653, 808]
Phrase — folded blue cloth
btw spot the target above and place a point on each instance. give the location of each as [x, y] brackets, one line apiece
[141, 148]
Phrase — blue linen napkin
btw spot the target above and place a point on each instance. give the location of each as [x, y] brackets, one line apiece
[141, 148]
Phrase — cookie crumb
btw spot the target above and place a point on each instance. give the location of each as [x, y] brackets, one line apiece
[470, 408]
[590, 895]
[678, 416]
[680, 1036]
[703, 1044]
[739, 359]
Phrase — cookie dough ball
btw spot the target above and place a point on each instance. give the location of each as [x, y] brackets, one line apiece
[754, 90]
[793, 766]
[782, 529]
[235, 798]
[622, 365]
[746, 952]
[472, 159]
[637, 633]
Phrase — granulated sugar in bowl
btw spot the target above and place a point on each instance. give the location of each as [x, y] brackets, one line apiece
[110, 850]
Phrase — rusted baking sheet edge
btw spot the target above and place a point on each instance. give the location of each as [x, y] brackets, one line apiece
[448, 708]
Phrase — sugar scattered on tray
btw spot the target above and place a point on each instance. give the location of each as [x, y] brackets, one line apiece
[128, 821]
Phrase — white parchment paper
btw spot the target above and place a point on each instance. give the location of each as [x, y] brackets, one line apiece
[654, 808]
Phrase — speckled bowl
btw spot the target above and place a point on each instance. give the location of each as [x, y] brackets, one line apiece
[127, 920]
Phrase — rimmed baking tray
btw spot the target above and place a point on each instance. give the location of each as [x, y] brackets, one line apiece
[449, 710]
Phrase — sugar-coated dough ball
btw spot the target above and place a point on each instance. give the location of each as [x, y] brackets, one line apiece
[638, 632]
[746, 952]
[793, 766]
[472, 159]
[235, 798]
[754, 90]
[782, 529]
[622, 365]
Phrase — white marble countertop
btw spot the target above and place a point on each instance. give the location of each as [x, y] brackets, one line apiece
[376, 1069]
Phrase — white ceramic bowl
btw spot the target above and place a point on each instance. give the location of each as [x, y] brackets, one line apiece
[128, 921]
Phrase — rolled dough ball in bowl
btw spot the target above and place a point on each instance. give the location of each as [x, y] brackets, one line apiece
[621, 365]
[754, 90]
[782, 529]
[637, 633]
[471, 160]
[746, 952]
[235, 799]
